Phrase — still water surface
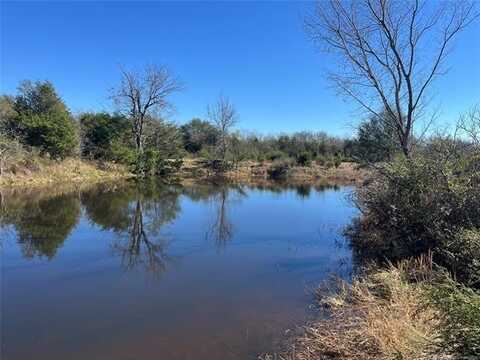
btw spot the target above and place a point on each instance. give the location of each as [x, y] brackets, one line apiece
[156, 272]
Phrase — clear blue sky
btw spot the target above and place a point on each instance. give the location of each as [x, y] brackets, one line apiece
[256, 53]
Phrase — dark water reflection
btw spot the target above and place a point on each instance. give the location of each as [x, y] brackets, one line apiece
[163, 272]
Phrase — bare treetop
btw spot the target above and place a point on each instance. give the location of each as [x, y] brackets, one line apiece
[222, 113]
[145, 93]
[389, 51]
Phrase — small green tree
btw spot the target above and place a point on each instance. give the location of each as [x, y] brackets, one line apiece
[198, 134]
[42, 120]
[376, 140]
[100, 131]
[54, 133]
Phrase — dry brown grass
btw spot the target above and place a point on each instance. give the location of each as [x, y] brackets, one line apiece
[379, 316]
[69, 171]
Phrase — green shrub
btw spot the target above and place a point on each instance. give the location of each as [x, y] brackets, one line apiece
[329, 164]
[43, 120]
[260, 158]
[304, 159]
[376, 140]
[167, 167]
[122, 153]
[198, 134]
[279, 169]
[148, 161]
[329, 161]
[321, 160]
[100, 131]
[219, 166]
[206, 152]
[151, 162]
[422, 204]
[52, 133]
[275, 155]
[461, 253]
[460, 318]
[337, 161]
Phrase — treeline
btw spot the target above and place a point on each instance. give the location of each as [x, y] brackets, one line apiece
[37, 120]
[200, 138]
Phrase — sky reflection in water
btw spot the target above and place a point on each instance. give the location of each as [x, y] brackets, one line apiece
[166, 272]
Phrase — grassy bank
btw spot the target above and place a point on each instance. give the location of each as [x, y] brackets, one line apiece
[408, 311]
[44, 173]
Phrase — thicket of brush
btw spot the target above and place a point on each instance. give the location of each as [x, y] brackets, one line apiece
[430, 202]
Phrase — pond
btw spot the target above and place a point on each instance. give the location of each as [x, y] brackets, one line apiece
[149, 271]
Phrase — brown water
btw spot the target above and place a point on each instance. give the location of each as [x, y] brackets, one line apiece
[154, 272]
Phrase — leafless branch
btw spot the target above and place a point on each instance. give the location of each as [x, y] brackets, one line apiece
[224, 116]
[390, 51]
[144, 93]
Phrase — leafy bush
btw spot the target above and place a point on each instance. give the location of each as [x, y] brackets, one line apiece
[122, 153]
[321, 160]
[376, 140]
[274, 155]
[207, 152]
[53, 133]
[42, 120]
[198, 134]
[461, 253]
[100, 131]
[151, 162]
[279, 169]
[304, 159]
[329, 164]
[423, 204]
[460, 318]
[337, 161]
[219, 166]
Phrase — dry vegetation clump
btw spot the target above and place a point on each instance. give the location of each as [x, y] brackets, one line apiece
[382, 315]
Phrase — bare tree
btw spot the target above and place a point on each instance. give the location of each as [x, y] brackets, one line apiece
[469, 125]
[224, 116]
[144, 94]
[390, 52]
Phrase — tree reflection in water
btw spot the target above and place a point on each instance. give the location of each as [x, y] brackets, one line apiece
[136, 214]
[42, 223]
[221, 196]
[138, 249]
[221, 229]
